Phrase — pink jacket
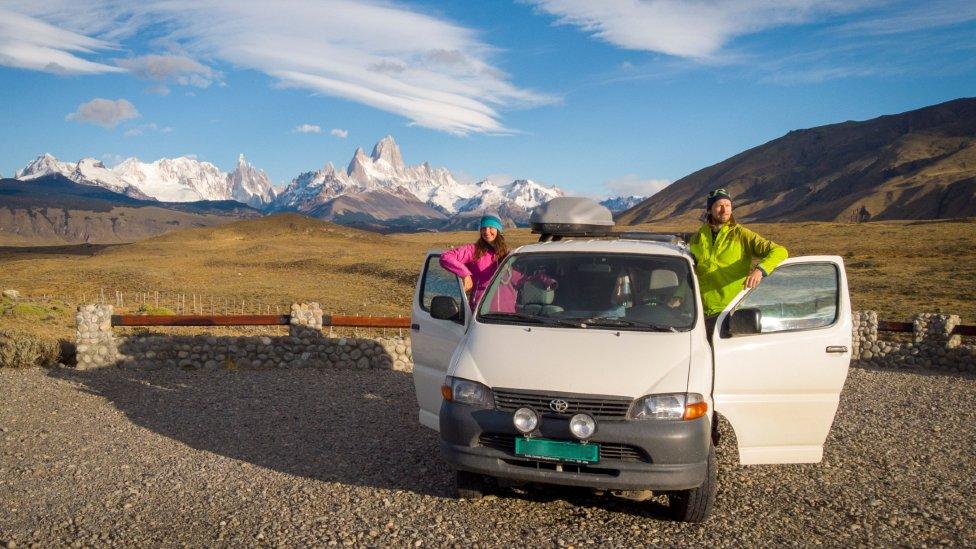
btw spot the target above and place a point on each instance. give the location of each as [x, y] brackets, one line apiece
[461, 262]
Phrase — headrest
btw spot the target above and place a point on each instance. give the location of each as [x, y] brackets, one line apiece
[535, 292]
[663, 278]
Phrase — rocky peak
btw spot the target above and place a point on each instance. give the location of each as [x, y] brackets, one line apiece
[388, 150]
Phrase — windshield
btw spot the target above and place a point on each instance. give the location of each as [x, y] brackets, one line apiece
[592, 290]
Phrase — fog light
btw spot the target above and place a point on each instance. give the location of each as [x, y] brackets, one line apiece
[525, 420]
[582, 426]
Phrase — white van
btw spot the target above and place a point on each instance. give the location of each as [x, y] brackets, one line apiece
[587, 364]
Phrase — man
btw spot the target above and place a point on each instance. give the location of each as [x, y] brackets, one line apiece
[724, 253]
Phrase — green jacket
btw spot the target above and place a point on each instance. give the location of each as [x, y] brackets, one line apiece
[723, 263]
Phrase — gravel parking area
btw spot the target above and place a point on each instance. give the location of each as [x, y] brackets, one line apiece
[303, 457]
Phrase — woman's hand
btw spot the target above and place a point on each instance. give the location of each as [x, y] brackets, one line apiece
[468, 284]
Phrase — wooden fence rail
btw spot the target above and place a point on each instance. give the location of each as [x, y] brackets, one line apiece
[367, 322]
[257, 320]
[889, 326]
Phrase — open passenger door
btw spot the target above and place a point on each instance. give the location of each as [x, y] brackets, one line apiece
[434, 340]
[779, 387]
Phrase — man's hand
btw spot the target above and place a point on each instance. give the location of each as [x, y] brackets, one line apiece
[468, 284]
[754, 278]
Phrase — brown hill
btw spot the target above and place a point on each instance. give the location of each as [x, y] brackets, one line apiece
[54, 210]
[916, 165]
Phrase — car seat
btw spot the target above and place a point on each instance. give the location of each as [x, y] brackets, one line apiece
[535, 298]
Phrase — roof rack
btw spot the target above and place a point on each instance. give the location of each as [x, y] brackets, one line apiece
[667, 238]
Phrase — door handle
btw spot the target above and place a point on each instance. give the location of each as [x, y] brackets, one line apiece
[837, 349]
[415, 327]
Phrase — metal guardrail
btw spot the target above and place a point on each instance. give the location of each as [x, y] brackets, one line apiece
[257, 320]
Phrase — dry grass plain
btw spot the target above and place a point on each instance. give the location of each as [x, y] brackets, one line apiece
[896, 268]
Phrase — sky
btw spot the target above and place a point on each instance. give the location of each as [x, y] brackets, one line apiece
[605, 98]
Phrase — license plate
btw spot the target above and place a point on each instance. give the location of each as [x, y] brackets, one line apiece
[557, 450]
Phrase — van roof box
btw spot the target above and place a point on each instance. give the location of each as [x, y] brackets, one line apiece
[570, 216]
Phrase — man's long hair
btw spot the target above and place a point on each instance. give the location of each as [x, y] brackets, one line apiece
[708, 219]
[499, 247]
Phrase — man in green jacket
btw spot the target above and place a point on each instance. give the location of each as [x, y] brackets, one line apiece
[724, 252]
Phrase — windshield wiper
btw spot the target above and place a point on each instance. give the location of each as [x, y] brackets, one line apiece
[549, 321]
[617, 321]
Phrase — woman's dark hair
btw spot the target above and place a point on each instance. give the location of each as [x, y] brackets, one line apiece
[499, 247]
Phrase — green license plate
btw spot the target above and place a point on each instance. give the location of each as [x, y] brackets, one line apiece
[558, 450]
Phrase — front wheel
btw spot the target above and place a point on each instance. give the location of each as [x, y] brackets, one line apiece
[696, 504]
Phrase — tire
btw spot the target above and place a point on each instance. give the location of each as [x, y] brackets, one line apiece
[470, 485]
[696, 504]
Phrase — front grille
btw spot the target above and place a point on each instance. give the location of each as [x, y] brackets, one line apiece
[608, 450]
[600, 407]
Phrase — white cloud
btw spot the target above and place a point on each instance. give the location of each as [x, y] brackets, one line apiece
[172, 69]
[687, 28]
[307, 128]
[111, 160]
[348, 49]
[29, 43]
[104, 112]
[632, 184]
[340, 133]
[144, 128]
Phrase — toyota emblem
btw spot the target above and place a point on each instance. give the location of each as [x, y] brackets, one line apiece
[559, 405]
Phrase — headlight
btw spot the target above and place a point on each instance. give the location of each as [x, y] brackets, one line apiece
[468, 392]
[525, 420]
[669, 406]
[582, 426]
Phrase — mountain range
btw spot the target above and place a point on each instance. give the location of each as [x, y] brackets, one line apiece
[919, 164]
[53, 209]
[376, 191]
[181, 179]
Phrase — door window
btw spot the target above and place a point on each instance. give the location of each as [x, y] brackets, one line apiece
[439, 281]
[796, 297]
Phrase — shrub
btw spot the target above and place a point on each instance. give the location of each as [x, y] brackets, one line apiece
[23, 350]
[146, 309]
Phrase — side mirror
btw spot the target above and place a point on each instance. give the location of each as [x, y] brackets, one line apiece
[445, 307]
[745, 322]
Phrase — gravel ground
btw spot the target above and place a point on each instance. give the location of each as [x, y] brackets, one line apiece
[305, 457]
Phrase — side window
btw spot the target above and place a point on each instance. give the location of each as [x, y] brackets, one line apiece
[439, 281]
[796, 297]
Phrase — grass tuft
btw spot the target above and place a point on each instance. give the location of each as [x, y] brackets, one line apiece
[23, 350]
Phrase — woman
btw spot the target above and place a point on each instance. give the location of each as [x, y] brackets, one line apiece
[476, 263]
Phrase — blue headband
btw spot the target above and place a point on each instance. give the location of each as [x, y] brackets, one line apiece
[491, 221]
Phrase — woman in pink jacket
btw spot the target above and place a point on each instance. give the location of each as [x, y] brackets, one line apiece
[476, 263]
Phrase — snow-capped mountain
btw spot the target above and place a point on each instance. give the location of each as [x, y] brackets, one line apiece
[385, 170]
[86, 171]
[181, 179]
[621, 203]
[250, 185]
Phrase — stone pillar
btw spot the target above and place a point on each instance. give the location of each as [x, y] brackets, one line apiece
[306, 320]
[865, 333]
[96, 345]
[934, 329]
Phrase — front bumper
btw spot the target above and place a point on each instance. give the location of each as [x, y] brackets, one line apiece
[635, 454]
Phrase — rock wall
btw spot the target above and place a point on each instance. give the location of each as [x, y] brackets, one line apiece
[305, 346]
[931, 347]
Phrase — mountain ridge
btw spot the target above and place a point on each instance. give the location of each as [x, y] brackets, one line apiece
[919, 164]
